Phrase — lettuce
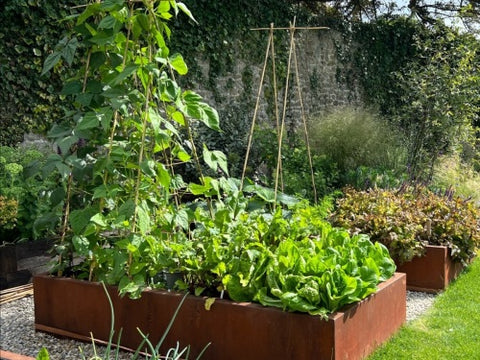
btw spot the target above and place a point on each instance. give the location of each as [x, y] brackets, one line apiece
[316, 269]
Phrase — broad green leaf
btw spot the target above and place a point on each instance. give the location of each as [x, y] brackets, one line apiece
[163, 6]
[102, 38]
[190, 96]
[81, 244]
[71, 88]
[129, 70]
[163, 175]
[215, 159]
[108, 22]
[155, 120]
[88, 121]
[84, 99]
[211, 118]
[148, 167]
[68, 52]
[178, 117]
[142, 21]
[110, 5]
[63, 169]
[127, 209]
[177, 62]
[143, 218]
[97, 59]
[91, 9]
[57, 196]
[181, 219]
[66, 143]
[99, 219]
[50, 62]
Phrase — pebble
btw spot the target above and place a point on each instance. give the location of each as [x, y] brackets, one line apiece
[17, 333]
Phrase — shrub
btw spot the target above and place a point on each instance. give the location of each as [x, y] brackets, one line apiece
[21, 181]
[354, 138]
[407, 219]
[8, 216]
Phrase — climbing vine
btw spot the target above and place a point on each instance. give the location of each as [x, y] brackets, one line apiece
[29, 30]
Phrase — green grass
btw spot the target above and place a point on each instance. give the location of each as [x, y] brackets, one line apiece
[449, 330]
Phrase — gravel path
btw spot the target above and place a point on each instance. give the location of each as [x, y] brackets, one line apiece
[17, 332]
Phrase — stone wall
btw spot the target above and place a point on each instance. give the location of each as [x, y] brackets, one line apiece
[318, 66]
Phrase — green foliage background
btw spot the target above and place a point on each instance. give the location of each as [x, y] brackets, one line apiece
[386, 57]
[29, 29]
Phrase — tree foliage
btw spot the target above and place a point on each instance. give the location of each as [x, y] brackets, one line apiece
[426, 11]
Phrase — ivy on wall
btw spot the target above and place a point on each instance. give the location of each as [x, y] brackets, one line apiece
[29, 29]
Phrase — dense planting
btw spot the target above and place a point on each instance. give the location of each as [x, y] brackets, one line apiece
[130, 216]
[312, 268]
[26, 195]
[407, 219]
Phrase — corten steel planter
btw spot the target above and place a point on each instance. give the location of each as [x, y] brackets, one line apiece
[432, 272]
[237, 331]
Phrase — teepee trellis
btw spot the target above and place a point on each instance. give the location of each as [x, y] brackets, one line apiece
[292, 55]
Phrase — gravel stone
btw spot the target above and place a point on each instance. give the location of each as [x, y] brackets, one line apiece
[17, 333]
[418, 303]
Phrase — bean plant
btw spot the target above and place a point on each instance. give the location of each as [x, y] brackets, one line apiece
[124, 141]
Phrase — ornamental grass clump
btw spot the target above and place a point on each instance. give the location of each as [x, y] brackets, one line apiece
[405, 220]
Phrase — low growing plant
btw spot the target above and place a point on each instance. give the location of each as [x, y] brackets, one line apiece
[407, 219]
[292, 259]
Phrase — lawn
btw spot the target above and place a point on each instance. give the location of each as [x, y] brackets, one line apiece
[449, 330]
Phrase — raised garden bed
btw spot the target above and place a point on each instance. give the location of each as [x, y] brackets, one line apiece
[432, 272]
[237, 331]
